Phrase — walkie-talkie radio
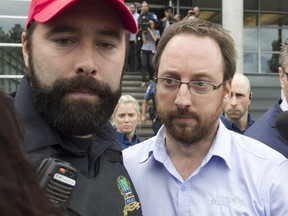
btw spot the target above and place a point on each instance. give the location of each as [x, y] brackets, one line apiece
[58, 179]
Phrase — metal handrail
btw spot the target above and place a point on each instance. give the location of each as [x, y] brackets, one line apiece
[11, 76]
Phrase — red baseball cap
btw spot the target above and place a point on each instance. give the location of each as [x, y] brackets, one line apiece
[44, 10]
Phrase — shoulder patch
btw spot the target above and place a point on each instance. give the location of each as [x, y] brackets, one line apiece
[129, 198]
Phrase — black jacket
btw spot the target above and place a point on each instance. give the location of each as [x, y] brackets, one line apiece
[103, 186]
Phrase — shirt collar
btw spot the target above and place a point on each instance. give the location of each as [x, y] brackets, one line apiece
[157, 147]
[230, 125]
[221, 147]
[284, 105]
[250, 120]
[124, 142]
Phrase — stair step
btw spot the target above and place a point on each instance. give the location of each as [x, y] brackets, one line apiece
[131, 84]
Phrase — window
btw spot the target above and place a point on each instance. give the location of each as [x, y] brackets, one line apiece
[265, 31]
[13, 14]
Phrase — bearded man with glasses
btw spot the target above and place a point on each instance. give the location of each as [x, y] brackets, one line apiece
[195, 165]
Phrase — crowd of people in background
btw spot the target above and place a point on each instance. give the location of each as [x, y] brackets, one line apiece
[150, 28]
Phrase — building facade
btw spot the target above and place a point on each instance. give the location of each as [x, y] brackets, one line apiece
[259, 27]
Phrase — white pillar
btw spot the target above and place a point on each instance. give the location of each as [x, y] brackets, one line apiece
[232, 20]
[177, 6]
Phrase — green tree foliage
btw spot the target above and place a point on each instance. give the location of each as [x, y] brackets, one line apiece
[14, 35]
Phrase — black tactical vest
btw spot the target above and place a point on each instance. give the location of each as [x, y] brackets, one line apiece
[109, 193]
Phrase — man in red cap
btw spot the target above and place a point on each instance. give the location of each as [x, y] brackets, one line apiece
[75, 51]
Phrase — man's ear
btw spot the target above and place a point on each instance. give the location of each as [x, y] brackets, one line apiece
[250, 96]
[25, 50]
[228, 88]
[281, 76]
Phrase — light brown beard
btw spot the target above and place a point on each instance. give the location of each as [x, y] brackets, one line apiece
[189, 134]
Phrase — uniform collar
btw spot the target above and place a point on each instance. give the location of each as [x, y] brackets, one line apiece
[38, 134]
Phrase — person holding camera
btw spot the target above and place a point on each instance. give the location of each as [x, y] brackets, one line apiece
[193, 13]
[150, 35]
[145, 16]
[132, 61]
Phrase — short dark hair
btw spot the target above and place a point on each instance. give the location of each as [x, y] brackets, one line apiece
[201, 28]
[168, 8]
[134, 4]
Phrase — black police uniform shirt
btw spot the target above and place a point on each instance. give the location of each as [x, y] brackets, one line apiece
[103, 186]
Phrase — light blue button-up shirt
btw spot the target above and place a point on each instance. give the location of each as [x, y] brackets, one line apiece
[238, 176]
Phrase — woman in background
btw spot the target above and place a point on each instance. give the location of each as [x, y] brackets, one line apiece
[125, 118]
[20, 194]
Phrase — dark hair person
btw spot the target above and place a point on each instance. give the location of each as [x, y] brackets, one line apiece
[19, 192]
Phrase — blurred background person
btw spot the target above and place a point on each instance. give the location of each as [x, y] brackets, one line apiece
[150, 95]
[132, 60]
[125, 119]
[177, 17]
[235, 114]
[149, 38]
[264, 129]
[20, 194]
[193, 13]
[167, 20]
[145, 16]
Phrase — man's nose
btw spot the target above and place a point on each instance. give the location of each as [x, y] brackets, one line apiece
[233, 100]
[183, 97]
[86, 62]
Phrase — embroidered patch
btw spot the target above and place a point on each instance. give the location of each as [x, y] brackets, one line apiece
[129, 199]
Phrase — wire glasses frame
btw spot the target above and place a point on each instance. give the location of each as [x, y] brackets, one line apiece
[197, 86]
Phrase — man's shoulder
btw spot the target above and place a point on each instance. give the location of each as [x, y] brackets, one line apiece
[137, 152]
[265, 122]
[256, 151]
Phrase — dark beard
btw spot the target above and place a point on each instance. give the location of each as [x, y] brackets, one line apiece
[183, 132]
[76, 117]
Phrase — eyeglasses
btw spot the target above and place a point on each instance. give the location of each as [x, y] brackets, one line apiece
[197, 86]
